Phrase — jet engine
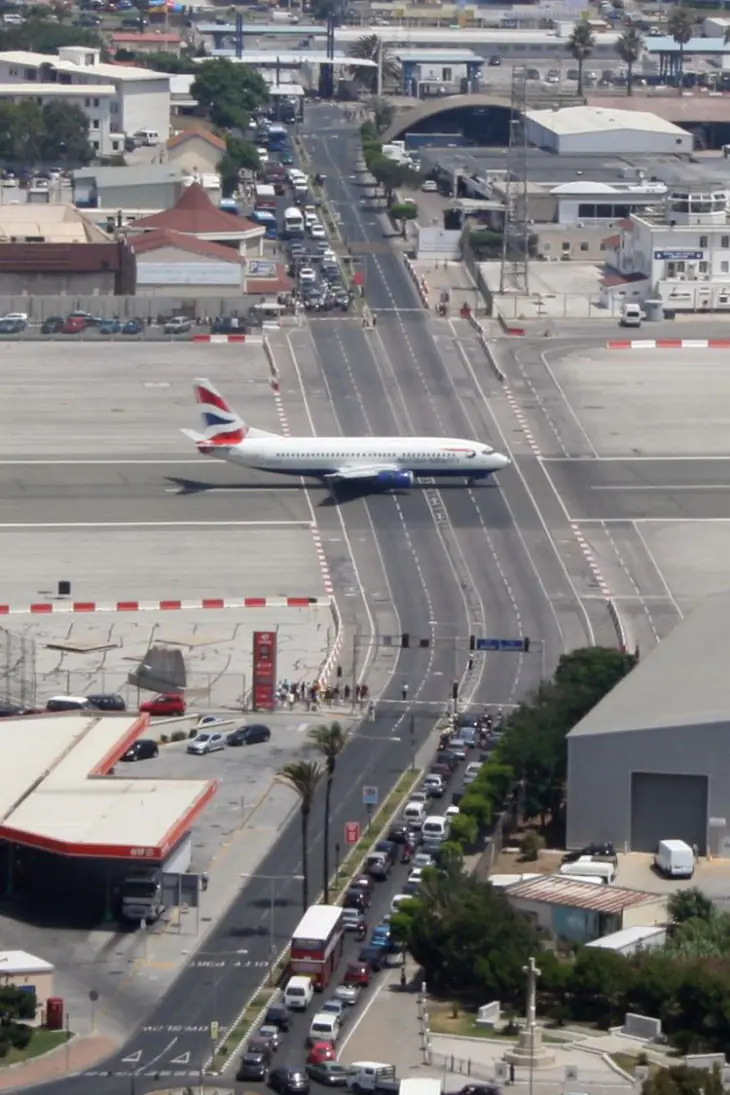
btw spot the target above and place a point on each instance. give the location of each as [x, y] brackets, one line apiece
[394, 478]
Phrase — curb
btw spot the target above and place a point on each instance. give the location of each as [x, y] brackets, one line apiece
[669, 344]
[486, 347]
[420, 283]
[218, 340]
[64, 608]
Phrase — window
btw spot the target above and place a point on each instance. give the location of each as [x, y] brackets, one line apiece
[446, 74]
[584, 245]
[87, 102]
[703, 241]
[95, 146]
[95, 102]
[566, 247]
[114, 108]
[94, 123]
[725, 242]
[30, 74]
[704, 267]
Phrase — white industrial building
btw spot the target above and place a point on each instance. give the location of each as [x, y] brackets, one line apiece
[140, 100]
[94, 99]
[584, 202]
[680, 253]
[591, 129]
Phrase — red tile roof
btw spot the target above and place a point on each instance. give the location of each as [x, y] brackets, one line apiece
[165, 237]
[195, 214]
[129, 39]
[204, 134]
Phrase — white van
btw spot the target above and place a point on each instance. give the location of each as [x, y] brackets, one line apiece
[414, 814]
[587, 867]
[149, 137]
[675, 859]
[631, 315]
[436, 827]
[68, 703]
[325, 1027]
[298, 993]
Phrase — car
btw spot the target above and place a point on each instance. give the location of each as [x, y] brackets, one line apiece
[164, 703]
[429, 186]
[307, 275]
[532, 74]
[398, 833]
[277, 1016]
[372, 956]
[416, 875]
[249, 735]
[479, 1089]
[107, 701]
[336, 1007]
[73, 325]
[253, 1066]
[330, 1073]
[382, 937]
[348, 993]
[358, 973]
[352, 919]
[205, 743]
[21, 317]
[286, 158]
[363, 882]
[289, 1081]
[227, 325]
[434, 785]
[460, 748]
[270, 1033]
[422, 860]
[472, 771]
[604, 849]
[317, 231]
[450, 758]
[208, 720]
[552, 76]
[355, 898]
[321, 1051]
[133, 327]
[418, 796]
[11, 326]
[141, 749]
[452, 811]
[178, 325]
[260, 1044]
[89, 319]
[110, 327]
[52, 326]
[388, 848]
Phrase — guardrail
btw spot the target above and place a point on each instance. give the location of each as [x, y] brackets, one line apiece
[484, 343]
[618, 624]
[420, 283]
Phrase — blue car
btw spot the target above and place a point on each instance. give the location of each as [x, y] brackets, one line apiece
[133, 327]
[110, 327]
[286, 158]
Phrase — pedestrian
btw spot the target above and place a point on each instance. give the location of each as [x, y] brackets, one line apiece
[204, 881]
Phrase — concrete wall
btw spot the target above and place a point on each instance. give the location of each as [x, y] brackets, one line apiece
[651, 912]
[54, 282]
[194, 155]
[144, 196]
[41, 982]
[600, 768]
[195, 302]
[145, 104]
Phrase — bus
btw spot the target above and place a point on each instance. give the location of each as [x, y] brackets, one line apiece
[293, 222]
[264, 196]
[317, 944]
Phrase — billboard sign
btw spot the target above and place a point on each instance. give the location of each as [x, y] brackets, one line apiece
[679, 256]
[264, 670]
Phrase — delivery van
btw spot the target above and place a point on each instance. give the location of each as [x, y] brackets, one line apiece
[414, 814]
[325, 1027]
[298, 993]
[674, 859]
[586, 867]
[436, 828]
[631, 315]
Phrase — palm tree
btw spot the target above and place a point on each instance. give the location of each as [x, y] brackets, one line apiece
[680, 25]
[303, 776]
[329, 741]
[368, 48]
[629, 48]
[580, 47]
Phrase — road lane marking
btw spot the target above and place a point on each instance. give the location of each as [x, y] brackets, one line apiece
[656, 486]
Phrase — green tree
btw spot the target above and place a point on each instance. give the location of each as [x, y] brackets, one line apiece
[391, 175]
[41, 36]
[682, 1080]
[160, 62]
[629, 47]
[303, 776]
[239, 155]
[383, 113]
[691, 904]
[329, 741]
[368, 48]
[228, 92]
[600, 985]
[580, 46]
[66, 134]
[680, 25]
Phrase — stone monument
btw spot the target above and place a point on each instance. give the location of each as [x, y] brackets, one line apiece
[529, 1051]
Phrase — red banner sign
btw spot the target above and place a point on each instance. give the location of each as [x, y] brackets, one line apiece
[264, 670]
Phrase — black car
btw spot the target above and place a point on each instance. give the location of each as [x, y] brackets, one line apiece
[602, 848]
[52, 325]
[390, 849]
[373, 956]
[107, 701]
[479, 1089]
[278, 1016]
[142, 749]
[253, 1066]
[11, 711]
[449, 757]
[249, 735]
[355, 899]
[398, 833]
[289, 1081]
[228, 325]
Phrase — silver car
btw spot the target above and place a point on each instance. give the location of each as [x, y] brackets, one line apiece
[348, 994]
[206, 743]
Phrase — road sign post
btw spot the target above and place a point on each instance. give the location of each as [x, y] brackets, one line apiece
[370, 798]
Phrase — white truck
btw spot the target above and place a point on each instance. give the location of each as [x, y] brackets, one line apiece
[586, 867]
[372, 1076]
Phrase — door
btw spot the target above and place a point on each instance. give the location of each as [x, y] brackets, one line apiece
[665, 806]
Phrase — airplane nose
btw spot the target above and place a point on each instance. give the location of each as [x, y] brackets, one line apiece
[502, 461]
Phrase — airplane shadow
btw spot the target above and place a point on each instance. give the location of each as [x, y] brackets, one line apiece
[342, 494]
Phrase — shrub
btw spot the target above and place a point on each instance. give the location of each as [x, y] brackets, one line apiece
[20, 1035]
[164, 739]
[178, 735]
[532, 844]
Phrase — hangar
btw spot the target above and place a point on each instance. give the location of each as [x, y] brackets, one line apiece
[72, 827]
[651, 761]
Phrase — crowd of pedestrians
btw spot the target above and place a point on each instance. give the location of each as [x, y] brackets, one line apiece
[311, 695]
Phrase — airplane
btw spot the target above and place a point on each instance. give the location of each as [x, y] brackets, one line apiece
[383, 462]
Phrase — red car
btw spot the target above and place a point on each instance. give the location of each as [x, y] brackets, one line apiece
[166, 703]
[321, 1052]
[74, 325]
[358, 973]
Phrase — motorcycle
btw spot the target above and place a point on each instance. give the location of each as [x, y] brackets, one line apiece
[407, 853]
[362, 931]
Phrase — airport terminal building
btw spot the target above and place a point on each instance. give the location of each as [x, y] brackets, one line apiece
[651, 761]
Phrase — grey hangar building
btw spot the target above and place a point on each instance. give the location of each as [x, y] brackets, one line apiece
[651, 761]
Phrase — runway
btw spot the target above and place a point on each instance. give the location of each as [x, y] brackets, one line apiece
[632, 490]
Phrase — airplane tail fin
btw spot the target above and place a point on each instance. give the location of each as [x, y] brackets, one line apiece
[222, 425]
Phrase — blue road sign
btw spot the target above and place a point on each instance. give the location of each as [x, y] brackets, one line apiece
[370, 796]
[501, 644]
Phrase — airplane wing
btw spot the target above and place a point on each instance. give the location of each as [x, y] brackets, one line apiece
[383, 473]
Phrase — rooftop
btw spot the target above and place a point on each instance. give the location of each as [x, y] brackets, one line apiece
[60, 91]
[127, 73]
[559, 890]
[59, 796]
[22, 962]
[165, 237]
[201, 133]
[132, 38]
[195, 214]
[150, 174]
[682, 682]
[666, 44]
[436, 56]
[627, 936]
[596, 119]
[288, 60]
[48, 223]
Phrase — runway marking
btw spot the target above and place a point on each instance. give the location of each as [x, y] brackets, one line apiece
[625, 459]
[656, 486]
[148, 524]
[649, 520]
[231, 490]
[93, 463]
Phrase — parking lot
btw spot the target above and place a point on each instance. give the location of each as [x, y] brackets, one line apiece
[712, 876]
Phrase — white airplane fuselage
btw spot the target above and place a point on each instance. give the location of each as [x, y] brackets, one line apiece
[334, 457]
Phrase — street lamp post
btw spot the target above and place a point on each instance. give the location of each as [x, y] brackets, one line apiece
[273, 879]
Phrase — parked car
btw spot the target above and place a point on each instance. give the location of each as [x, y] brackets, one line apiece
[249, 735]
[164, 703]
[12, 326]
[133, 327]
[52, 326]
[110, 327]
[141, 749]
[107, 701]
[73, 325]
[429, 186]
[178, 325]
[252, 1066]
[601, 849]
[289, 1081]
[89, 319]
[208, 742]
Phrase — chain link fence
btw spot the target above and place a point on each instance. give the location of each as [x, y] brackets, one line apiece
[17, 669]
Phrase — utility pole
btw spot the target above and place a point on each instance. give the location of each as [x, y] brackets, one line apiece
[355, 656]
[412, 733]
[513, 274]
[379, 74]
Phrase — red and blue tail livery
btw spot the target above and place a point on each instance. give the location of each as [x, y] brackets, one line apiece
[222, 425]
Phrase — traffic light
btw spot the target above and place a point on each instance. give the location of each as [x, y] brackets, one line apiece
[455, 690]
[526, 645]
[405, 640]
[472, 642]
[339, 671]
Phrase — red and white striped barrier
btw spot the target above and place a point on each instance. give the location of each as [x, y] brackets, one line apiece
[669, 344]
[219, 339]
[419, 282]
[47, 608]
